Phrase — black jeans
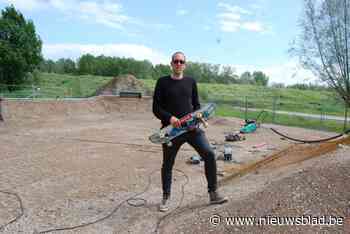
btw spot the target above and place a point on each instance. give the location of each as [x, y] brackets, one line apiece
[199, 142]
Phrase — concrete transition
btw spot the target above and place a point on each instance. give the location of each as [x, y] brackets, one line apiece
[22, 109]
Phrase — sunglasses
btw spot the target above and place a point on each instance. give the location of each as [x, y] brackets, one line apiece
[179, 61]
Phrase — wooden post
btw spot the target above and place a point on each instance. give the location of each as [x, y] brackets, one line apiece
[246, 108]
[1, 118]
[274, 102]
[345, 117]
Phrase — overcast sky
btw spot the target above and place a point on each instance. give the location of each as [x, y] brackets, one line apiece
[247, 34]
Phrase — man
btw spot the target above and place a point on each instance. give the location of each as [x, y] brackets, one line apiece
[174, 97]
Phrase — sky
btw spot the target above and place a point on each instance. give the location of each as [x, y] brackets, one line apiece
[248, 35]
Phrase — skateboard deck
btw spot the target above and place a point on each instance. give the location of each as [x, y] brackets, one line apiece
[188, 122]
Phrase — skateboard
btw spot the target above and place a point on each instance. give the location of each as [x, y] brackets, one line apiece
[188, 123]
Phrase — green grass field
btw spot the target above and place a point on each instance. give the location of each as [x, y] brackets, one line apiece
[294, 100]
[281, 119]
[227, 97]
[55, 85]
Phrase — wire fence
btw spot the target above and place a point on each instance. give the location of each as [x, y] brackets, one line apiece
[76, 90]
[325, 115]
[34, 91]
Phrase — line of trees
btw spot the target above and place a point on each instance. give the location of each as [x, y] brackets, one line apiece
[323, 48]
[324, 42]
[20, 48]
[113, 66]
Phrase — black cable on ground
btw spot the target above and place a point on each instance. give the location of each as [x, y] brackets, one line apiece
[132, 201]
[107, 142]
[259, 119]
[118, 143]
[181, 200]
[311, 141]
[105, 217]
[20, 205]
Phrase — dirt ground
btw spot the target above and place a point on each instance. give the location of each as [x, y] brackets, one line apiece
[75, 163]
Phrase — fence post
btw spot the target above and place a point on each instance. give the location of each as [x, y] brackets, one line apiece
[322, 117]
[274, 102]
[345, 117]
[80, 89]
[246, 108]
[1, 118]
[33, 91]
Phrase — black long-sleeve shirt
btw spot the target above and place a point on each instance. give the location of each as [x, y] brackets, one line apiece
[174, 98]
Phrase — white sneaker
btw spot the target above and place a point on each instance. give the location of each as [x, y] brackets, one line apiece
[164, 205]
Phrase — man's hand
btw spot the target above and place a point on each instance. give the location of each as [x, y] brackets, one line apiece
[175, 122]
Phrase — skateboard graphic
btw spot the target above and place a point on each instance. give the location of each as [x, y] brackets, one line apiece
[188, 122]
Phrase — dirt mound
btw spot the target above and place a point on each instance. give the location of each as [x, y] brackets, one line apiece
[121, 83]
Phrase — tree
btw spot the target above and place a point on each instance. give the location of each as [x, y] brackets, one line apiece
[260, 78]
[20, 47]
[67, 66]
[246, 78]
[228, 75]
[194, 70]
[146, 69]
[47, 66]
[86, 64]
[161, 70]
[323, 46]
[278, 85]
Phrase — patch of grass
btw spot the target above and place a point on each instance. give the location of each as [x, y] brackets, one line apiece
[281, 119]
[292, 100]
[56, 85]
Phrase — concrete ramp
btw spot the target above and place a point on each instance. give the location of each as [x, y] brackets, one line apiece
[21, 109]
